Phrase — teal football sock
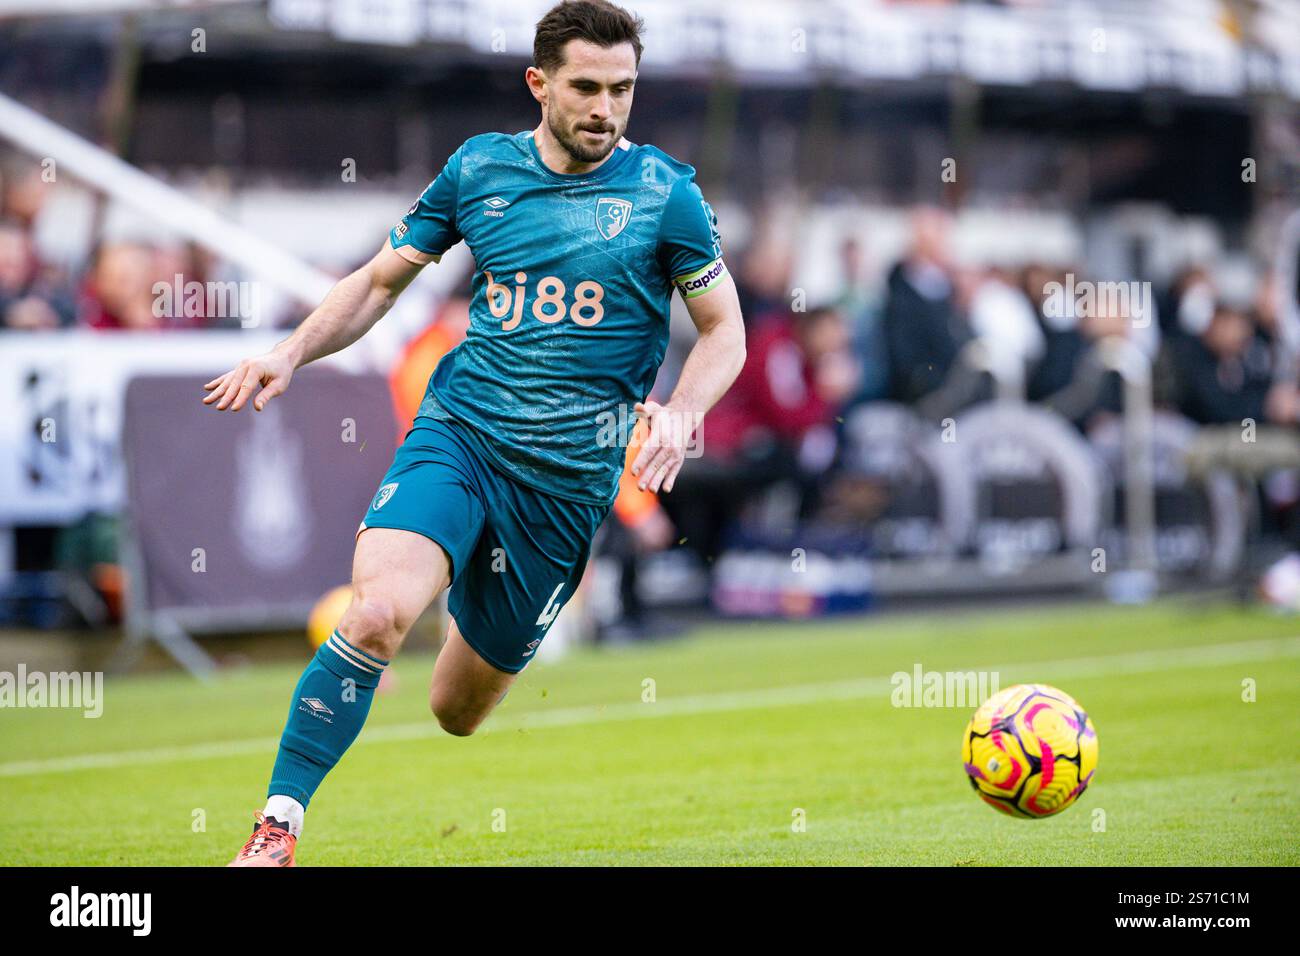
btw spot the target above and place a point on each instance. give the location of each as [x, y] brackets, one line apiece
[329, 708]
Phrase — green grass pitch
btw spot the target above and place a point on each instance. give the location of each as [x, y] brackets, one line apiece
[750, 724]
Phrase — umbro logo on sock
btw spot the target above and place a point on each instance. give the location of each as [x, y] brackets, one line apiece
[317, 708]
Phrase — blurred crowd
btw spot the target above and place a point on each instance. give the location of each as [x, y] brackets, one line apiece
[898, 333]
[114, 291]
[927, 330]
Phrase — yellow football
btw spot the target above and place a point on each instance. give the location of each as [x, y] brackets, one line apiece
[1030, 750]
[325, 615]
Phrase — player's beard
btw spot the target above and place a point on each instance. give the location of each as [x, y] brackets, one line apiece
[574, 146]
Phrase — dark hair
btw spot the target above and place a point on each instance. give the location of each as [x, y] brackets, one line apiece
[596, 21]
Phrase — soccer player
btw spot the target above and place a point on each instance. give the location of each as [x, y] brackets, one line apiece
[514, 459]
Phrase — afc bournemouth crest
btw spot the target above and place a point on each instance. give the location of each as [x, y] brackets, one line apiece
[612, 216]
[384, 494]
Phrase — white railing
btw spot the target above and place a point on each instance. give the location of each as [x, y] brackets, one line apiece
[1137, 582]
[166, 205]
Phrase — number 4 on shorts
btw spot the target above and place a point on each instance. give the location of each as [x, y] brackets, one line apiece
[552, 608]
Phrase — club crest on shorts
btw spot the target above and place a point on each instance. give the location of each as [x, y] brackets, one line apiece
[381, 498]
[612, 216]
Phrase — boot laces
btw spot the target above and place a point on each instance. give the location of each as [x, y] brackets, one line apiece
[266, 837]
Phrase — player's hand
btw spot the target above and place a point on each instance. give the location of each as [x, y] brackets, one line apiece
[664, 449]
[271, 371]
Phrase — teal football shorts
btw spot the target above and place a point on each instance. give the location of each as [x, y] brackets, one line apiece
[517, 553]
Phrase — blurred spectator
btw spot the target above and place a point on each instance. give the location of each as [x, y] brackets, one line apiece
[1063, 343]
[1191, 303]
[763, 281]
[1270, 311]
[1003, 316]
[22, 192]
[178, 266]
[799, 372]
[118, 294]
[1224, 374]
[923, 329]
[28, 299]
[859, 300]
[776, 423]
[1091, 391]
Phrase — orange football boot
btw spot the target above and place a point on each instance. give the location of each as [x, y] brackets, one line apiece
[270, 845]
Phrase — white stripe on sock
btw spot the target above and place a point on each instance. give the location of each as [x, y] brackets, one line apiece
[350, 655]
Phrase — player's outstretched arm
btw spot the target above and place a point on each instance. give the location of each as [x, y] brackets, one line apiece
[355, 303]
[712, 365]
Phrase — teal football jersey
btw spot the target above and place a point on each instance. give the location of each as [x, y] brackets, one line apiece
[570, 299]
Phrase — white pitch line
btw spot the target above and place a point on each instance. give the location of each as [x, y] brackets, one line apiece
[1076, 668]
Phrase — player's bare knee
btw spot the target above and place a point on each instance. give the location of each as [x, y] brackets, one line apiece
[372, 624]
[458, 723]
[452, 714]
[458, 726]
